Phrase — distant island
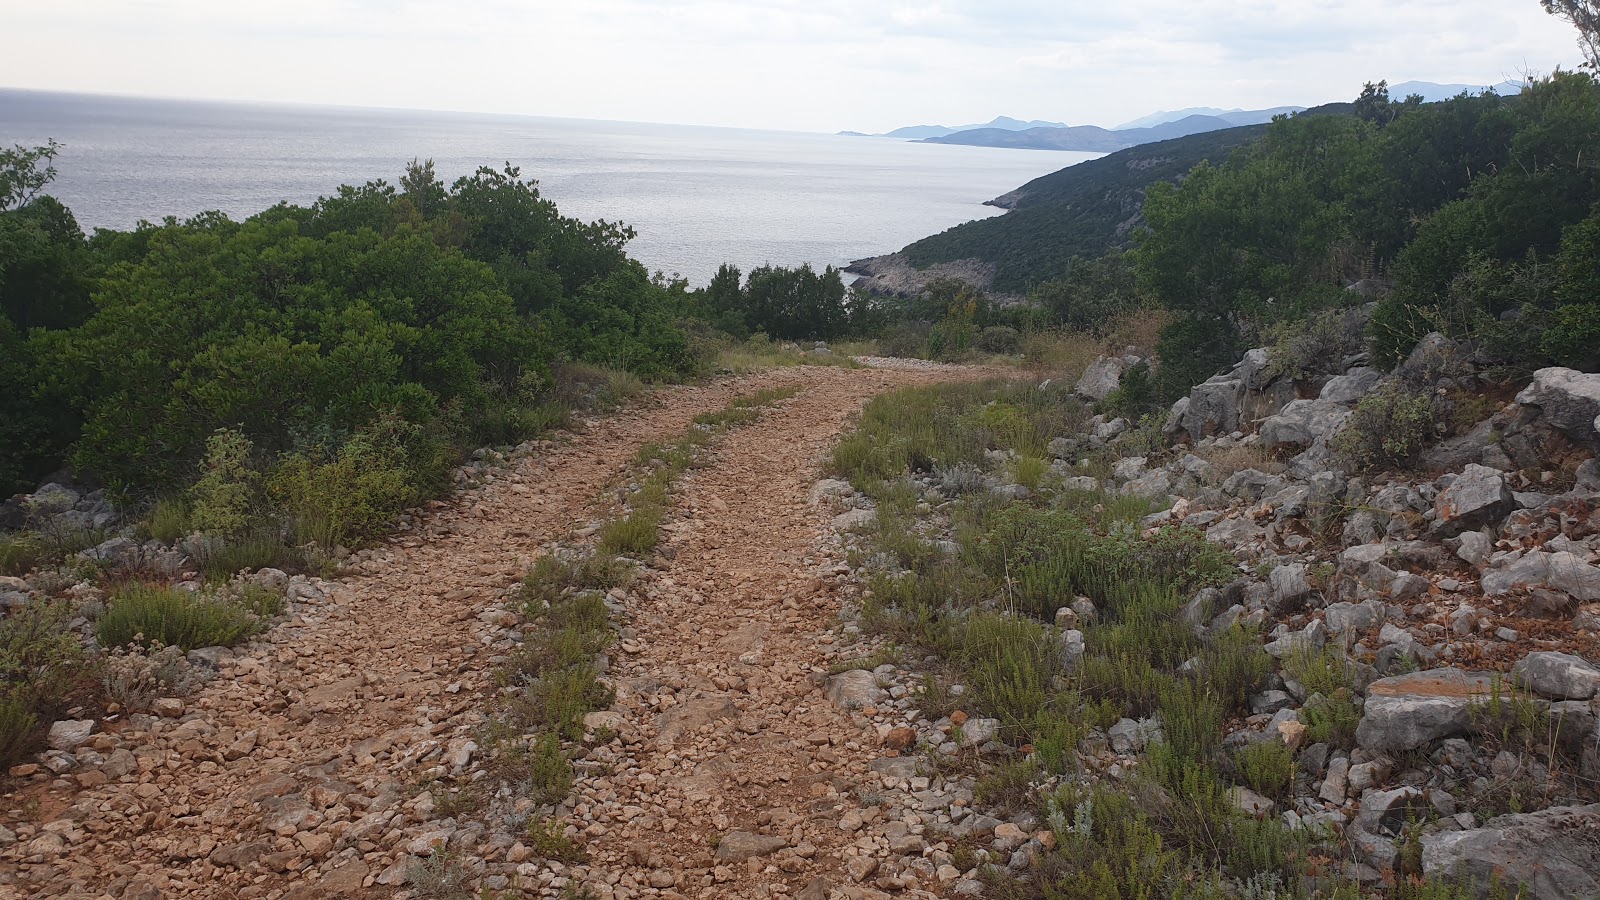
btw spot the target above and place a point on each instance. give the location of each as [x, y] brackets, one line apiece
[1017, 134]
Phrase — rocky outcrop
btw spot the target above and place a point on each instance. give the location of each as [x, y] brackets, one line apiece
[1410, 711]
[893, 275]
[1568, 400]
[1553, 854]
[1477, 497]
[1103, 376]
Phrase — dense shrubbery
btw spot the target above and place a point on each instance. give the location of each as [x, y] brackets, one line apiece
[307, 373]
[1479, 209]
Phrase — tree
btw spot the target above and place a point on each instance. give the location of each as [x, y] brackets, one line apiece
[1583, 15]
[21, 179]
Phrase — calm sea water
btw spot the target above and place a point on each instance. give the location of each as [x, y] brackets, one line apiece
[696, 196]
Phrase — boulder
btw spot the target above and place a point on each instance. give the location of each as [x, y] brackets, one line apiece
[1351, 387]
[1250, 803]
[851, 520]
[1561, 571]
[1388, 811]
[1409, 711]
[54, 498]
[1554, 854]
[1434, 357]
[1177, 416]
[1479, 496]
[1568, 400]
[1251, 484]
[1213, 408]
[830, 489]
[1151, 485]
[1102, 377]
[1255, 369]
[854, 689]
[1474, 548]
[1290, 586]
[1129, 467]
[742, 845]
[1558, 676]
[1344, 618]
[69, 734]
[1303, 423]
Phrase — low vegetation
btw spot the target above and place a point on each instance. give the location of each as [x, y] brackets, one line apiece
[1061, 613]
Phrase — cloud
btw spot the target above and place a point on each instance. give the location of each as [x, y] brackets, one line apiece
[802, 64]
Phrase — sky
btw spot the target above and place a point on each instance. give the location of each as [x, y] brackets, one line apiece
[802, 65]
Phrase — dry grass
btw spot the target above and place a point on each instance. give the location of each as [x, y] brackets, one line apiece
[1059, 354]
[1140, 328]
[758, 354]
[1228, 460]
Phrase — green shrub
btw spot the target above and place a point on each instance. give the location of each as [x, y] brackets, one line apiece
[1388, 430]
[635, 534]
[169, 520]
[548, 840]
[20, 553]
[552, 576]
[1000, 339]
[1029, 471]
[559, 699]
[1266, 767]
[550, 774]
[951, 337]
[222, 558]
[1331, 719]
[1326, 671]
[226, 497]
[17, 726]
[41, 660]
[141, 614]
[352, 494]
[1316, 346]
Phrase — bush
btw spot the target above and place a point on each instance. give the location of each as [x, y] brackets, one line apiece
[1266, 767]
[41, 661]
[1315, 347]
[1389, 430]
[1000, 339]
[635, 534]
[134, 678]
[1332, 719]
[169, 520]
[227, 495]
[548, 840]
[550, 774]
[20, 553]
[145, 615]
[350, 495]
[17, 726]
[220, 559]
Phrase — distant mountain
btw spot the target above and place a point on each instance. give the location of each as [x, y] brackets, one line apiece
[1231, 116]
[920, 132]
[1162, 117]
[1161, 126]
[1432, 93]
[1090, 138]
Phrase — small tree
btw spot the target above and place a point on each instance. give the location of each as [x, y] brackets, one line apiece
[21, 179]
[1583, 15]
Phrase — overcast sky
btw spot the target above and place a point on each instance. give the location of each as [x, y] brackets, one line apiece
[811, 65]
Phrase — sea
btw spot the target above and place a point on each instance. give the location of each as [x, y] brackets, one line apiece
[696, 196]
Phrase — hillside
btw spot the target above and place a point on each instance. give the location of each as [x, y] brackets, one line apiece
[1082, 210]
[1090, 138]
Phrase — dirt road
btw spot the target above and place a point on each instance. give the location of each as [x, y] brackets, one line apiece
[293, 772]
